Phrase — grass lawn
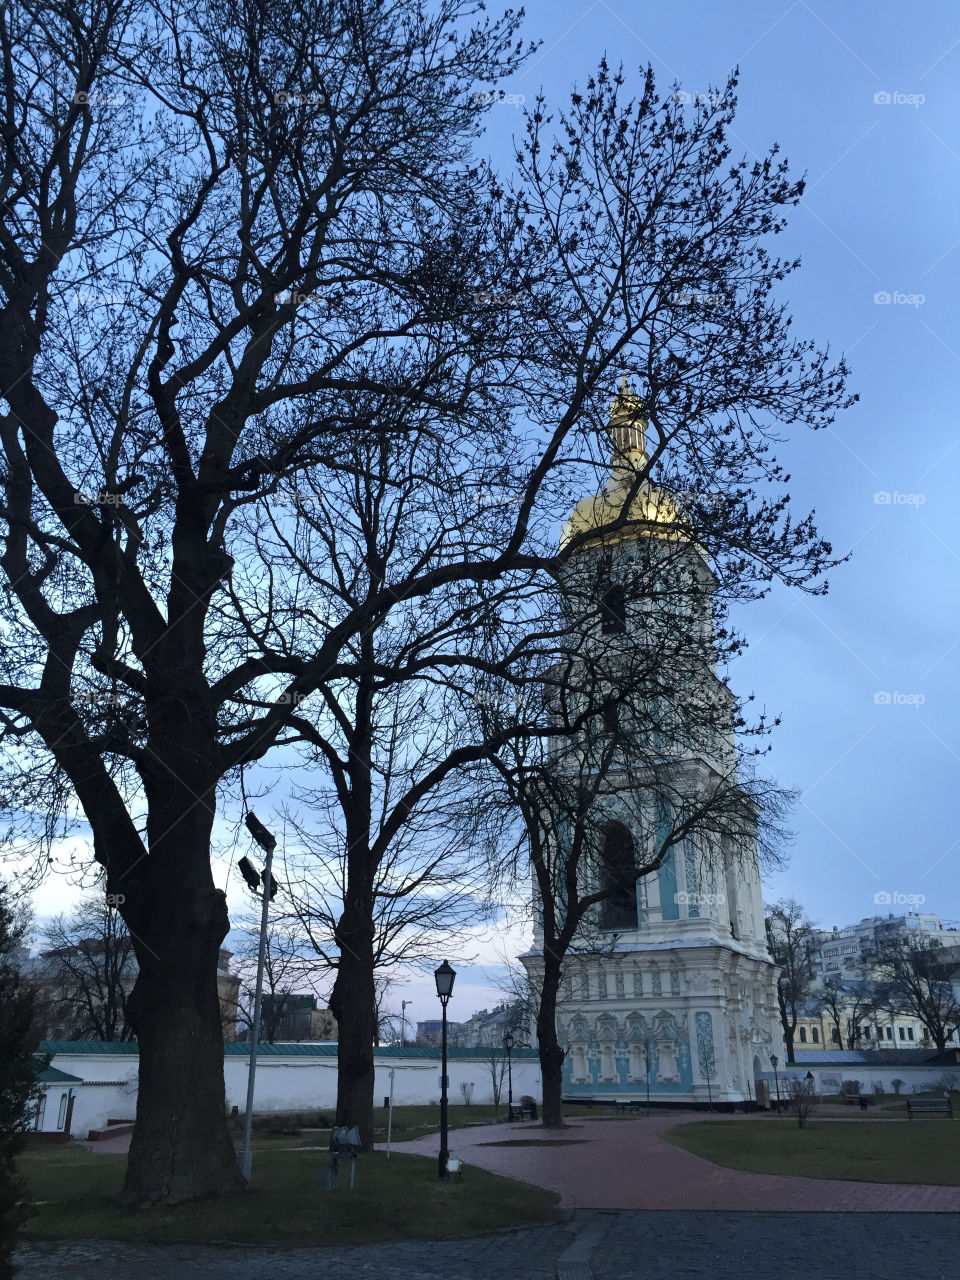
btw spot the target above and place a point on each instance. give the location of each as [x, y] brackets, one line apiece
[396, 1199]
[923, 1151]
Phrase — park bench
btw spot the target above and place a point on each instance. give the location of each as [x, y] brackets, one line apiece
[525, 1109]
[624, 1105]
[929, 1107]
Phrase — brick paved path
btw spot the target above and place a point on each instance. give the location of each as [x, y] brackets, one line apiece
[589, 1246]
[625, 1164]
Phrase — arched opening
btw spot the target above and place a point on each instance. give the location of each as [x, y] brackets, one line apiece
[618, 878]
[816, 1035]
[803, 1035]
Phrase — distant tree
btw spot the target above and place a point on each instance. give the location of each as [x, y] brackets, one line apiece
[19, 1092]
[914, 979]
[287, 973]
[801, 1098]
[850, 1005]
[790, 937]
[86, 972]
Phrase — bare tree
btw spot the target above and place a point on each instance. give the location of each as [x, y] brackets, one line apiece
[287, 975]
[801, 1098]
[235, 241]
[913, 979]
[627, 731]
[790, 937]
[850, 1005]
[85, 972]
[221, 227]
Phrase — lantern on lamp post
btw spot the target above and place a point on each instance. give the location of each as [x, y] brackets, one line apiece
[443, 976]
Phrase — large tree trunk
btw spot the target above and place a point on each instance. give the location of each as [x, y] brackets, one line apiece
[353, 1002]
[181, 1148]
[551, 1054]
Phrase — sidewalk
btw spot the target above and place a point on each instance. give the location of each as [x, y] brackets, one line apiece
[626, 1164]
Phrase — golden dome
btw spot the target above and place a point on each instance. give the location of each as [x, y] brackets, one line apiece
[653, 512]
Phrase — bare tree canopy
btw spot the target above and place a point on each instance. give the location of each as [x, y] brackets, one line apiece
[85, 972]
[914, 978]
[245, 250]
[790, 936]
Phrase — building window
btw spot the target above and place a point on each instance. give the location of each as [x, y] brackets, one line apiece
[613, 609]
[835, 1034]
[618, 871]
[903, 1034]
[889, 1033]
[803, 1035]
[637, 982]
[909, 1033]
[816, 1035]
[621, 992]
[602, 986]
[62, 1113]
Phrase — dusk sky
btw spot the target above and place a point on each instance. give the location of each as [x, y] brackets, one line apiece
[864, 100]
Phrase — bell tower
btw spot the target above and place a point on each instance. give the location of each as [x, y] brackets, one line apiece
[676, 994]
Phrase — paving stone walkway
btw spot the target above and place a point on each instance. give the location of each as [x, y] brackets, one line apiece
[626, 1164]
[638, 1208]
[590, 1245]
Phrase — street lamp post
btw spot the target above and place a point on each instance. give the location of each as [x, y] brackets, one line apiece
[443, 977]
[508, 1043]
[403, 1020]
[267, 842]
[773, 1063]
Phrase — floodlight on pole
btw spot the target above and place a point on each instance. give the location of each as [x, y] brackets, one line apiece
[268, 842]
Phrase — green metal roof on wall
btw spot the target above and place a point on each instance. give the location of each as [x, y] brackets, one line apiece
[53, 1075]
[298, 1049]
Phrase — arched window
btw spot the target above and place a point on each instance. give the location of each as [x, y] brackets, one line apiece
[618, 878]
[816, 1035]
[803, 1035]
[613, 609]
[835, 1034]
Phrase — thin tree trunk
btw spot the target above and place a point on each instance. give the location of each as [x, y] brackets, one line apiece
[353, 1002]
[551, 1054]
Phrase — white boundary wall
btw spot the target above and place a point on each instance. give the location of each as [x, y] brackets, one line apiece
[294, 1083]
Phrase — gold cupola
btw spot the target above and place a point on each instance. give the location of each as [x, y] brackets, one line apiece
[652, 511]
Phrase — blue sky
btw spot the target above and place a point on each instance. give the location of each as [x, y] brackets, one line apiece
[866, 678]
